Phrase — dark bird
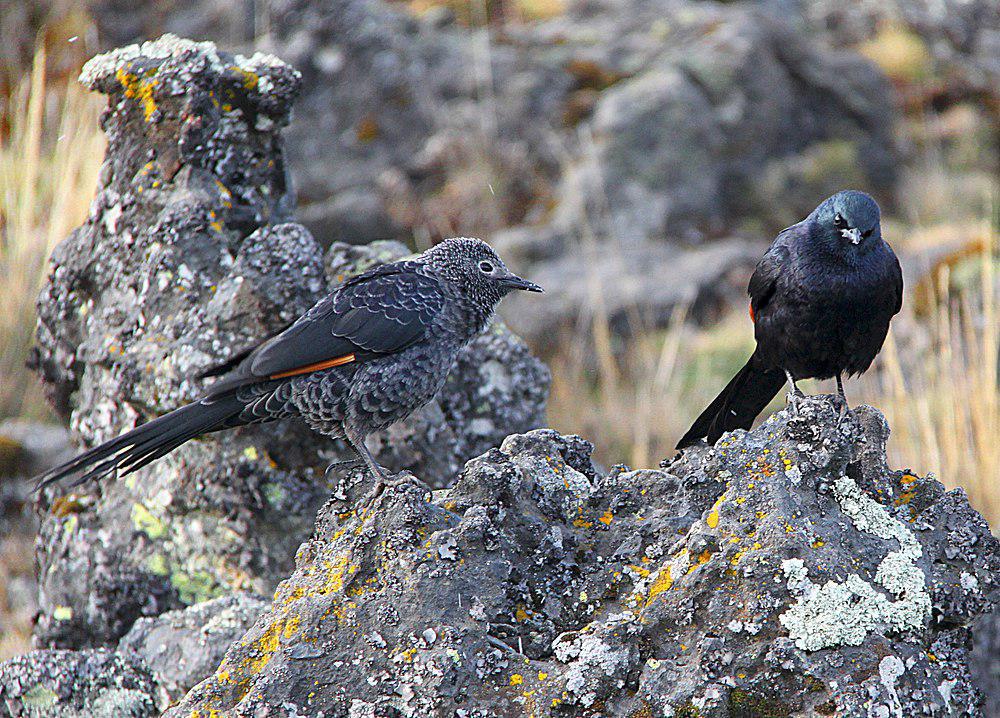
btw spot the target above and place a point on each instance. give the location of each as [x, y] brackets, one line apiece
[821, 299]
[366, 356]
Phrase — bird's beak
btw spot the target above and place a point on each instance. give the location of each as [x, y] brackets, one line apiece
[512, 281]
[853, 234]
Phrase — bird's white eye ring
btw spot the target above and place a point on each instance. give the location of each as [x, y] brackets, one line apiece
[839, 222]
[485, 267]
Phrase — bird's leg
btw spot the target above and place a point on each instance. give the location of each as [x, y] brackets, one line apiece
[382, 479]
[795, 395]
[357, 442]
[844, 408]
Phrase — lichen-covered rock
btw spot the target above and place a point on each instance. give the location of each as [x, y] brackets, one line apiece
[75, 684]
[785, 571]
[188, 258]
[182, 648]
[986, 661]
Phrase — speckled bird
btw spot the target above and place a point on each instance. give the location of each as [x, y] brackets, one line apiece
[366, 356]
[821, 299]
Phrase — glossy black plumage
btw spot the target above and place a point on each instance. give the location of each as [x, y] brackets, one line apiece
[366, 356]
[821, 299]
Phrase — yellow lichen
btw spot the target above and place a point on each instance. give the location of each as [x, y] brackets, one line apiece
[140, 88]
[516, 679]
[606, 518]
[291, 627]
[662, 583]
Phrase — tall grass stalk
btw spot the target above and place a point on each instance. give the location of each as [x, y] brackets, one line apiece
[49, 161]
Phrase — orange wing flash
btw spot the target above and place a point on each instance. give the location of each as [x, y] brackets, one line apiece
[308, 368]
[752, 317]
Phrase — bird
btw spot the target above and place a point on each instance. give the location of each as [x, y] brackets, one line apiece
[821, 299]
[362, 358]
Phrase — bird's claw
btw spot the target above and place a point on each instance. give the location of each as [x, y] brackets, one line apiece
[843, 412]
[393, 482]
[343, 465]
[795, 397]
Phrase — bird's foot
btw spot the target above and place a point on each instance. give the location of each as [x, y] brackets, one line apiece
[795, 398]
[343, 466]
[403, 478]
[843, 412]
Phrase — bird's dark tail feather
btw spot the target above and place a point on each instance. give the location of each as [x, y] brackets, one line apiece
[744, 397]
[147, 442]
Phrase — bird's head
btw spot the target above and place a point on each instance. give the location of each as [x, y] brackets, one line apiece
[475, 267]
[849, 220]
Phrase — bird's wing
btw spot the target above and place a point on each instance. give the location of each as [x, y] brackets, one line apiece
[897, 276]
[381, 311]
[765, 276]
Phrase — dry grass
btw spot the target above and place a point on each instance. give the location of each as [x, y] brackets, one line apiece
[944, 408]
[49, 162]
[50, 152]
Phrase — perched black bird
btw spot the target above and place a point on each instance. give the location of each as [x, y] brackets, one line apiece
[821, 299]
[364, 357]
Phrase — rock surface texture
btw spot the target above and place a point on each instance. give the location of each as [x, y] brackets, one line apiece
[188, 257]
[786, 571]
[75, 684]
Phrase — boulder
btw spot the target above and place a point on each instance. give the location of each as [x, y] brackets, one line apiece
[75, 684]
[784, 571]
[180, 648]
[189, 257]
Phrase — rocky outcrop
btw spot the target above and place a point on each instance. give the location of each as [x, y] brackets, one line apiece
[785, 571]
[188, 257]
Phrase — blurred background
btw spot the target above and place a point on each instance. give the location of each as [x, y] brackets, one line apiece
[635, 157]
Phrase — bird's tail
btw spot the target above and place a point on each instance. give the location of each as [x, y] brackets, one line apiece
[744, 397]
[150, 441]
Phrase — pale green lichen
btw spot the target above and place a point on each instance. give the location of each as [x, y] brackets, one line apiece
[837, 614]
[40, 697]
[144, 521]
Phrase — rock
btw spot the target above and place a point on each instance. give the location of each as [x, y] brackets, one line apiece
[985, 661]
[75, 684]
[951, 48]
[181, 648]
[27, 448]
[668, 122]
[785, 571]
[188, 258]
[632, 287]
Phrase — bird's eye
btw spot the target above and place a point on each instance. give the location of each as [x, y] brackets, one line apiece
[839, 222]
[867, 234]
[486, 267]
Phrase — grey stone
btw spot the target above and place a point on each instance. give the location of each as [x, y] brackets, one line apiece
[985, 661]
[75, 684]
[785, 571]
[35, 446]
[182, 648]
[961, 38]
[633, 287]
